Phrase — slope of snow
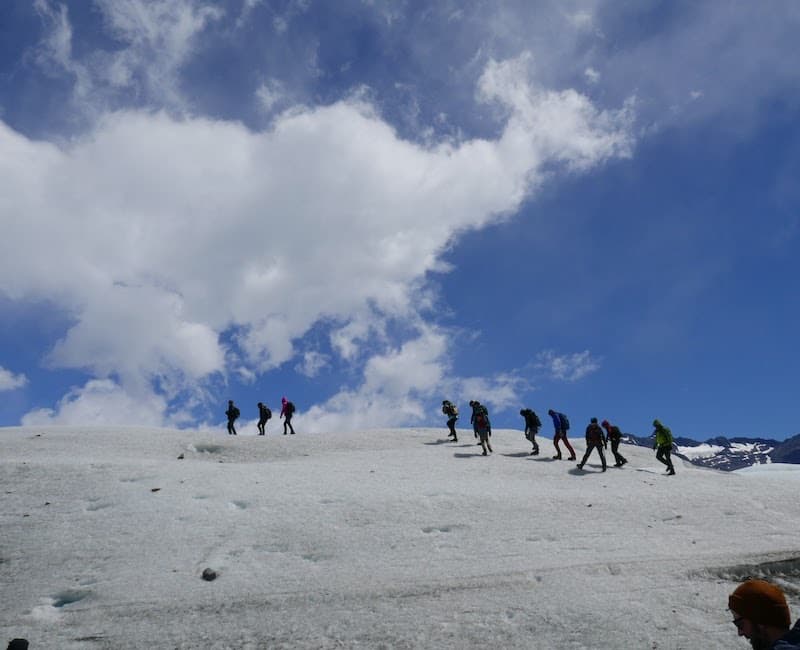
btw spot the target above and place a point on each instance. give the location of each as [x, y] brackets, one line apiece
[374, 539]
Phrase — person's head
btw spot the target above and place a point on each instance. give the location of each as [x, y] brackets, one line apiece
[593, 420]
[656, 424]
[230, 401]
[760, 612]
[284, 400]
[18, 644]
[522, 411]
[260, 405]
[550, 412]
[605, 424]
[444, 401]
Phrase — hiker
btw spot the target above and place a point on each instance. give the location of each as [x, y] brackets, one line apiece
[760, 614]
[473, 404]
[232, 414]
[614, 435]
[451, 411]
[663, 446]
[595, 439]
[264, 414]
[287, 411]
[560, 424]
[483, 427]
[532, 424]
[477, 409]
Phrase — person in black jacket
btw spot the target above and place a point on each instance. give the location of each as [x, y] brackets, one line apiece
[532, 424]
[264, 414]
[595, 439]
[614, 435]
[232, 414]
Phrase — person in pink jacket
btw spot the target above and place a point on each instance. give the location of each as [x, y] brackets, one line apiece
[287, 411]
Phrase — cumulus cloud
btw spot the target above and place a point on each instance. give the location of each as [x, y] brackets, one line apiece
[166, 232]
[269, 94]
[312, 363]
[10, 381]
[567, 367]
[102, 402]
[398, 385]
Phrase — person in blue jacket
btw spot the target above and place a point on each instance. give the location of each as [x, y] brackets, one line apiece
[560, 424]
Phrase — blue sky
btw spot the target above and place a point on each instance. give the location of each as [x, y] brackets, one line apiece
[372, 206]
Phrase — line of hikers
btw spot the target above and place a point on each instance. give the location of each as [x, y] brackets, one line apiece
[264, 413]
[597, 435]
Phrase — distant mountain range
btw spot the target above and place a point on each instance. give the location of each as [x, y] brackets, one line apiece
[729, 454]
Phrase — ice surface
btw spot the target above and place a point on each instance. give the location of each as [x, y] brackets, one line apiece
[375, 539]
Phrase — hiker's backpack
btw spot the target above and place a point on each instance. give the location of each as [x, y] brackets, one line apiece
[536, 421]
[446, 408]
[290, 407]
[454, 410]
[480, 422]
[236, 412]
[564, 421]
[267, 413]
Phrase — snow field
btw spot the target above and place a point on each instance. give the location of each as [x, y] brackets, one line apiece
[375, 539]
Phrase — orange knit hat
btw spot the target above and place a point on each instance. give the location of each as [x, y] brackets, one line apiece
[761, 602]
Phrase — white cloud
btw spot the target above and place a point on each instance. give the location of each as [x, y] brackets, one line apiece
[581, 20]
[269, 94]
[399, 383]
[158, 37]
[312, 363]
[102, 402]
[10, 381]
[568, 367]
[164, 233]
[592, 75]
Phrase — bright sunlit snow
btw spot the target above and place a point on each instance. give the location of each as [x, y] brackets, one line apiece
[700, 451]
[375, 539]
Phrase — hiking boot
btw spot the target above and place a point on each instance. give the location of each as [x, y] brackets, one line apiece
[556, 457]
[604, 468]
[580, 465]
[671, 471]
[484, 453]
[572, 458]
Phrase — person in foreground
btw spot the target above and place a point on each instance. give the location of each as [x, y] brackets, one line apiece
[760, 614]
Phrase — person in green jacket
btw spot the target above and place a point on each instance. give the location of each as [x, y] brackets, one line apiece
[663, 445]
